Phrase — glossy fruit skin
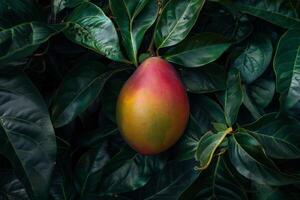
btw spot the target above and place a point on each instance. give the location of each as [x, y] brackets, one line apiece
[153, 107]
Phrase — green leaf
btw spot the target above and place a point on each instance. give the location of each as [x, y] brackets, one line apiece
[198, 50]
[22, 40]
[265, 192]
[62, 187]
[258, 95]
[177, 19]
[26, 133]
[59, 5]
[14, 12]
[219, 182]
[253, 57]
[207, 79]
[206, 111]
[128, 171]
[279, 12]
[11, 187]
[89, 27]
[219, 126]
[171, 182]
[278, 135]
[287, 70]
[109, 100]
[188, 143]
[207, 146]
[217, 19]
[233, 96]
[250, 160]
[78, 90]
[88, 171]
[94, 138]
[134, 18]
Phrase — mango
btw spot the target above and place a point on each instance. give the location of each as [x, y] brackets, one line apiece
[152, 108]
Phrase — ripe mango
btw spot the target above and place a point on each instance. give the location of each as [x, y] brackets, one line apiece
[152, 108]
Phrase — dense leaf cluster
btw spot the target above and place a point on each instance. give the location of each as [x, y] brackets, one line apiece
[63, 62]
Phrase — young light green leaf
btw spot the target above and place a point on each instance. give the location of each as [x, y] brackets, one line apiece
[177, 19]
[278, 135]
[279, 12]
[198, 50]
[207, 79]
[26, 133]
[250, 160]
[88, 26]
[79, 89]
[233, 96]
[253, 57]
[207, 146]
[22, 40]
[134, 18]
[287, 70]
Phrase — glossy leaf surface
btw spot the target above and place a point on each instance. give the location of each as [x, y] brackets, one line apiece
[26, 133]
[176, 21]
[134, 18]
[198, 50]
[89, 27]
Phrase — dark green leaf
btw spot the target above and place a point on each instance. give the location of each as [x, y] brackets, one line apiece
[111, 91]
[287, 70]
[279, 136]
[253, 58]
[171, 182]
[233, 96]
[207, 79]
[219, 182]
[59, 5]
[250, 160]
[188, 143]
[26, 133]
[134, 18]
[11, 188]
[97, 136]
[62, 188]
[128, 171]
[89, 171]
[88, 26]
[207, 146]
[258, 95]
[198, 50]
[78, 90]
[206, 111]
[265, 192]
[22, 40]
[14, 12]
[279, 12]
[217, 19]
[177, 19]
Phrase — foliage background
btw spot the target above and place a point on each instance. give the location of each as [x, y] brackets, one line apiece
[63, 62]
